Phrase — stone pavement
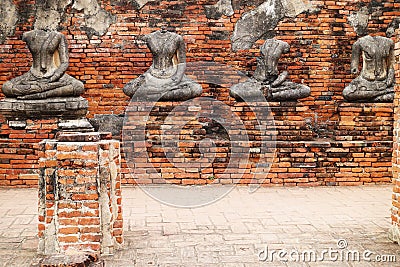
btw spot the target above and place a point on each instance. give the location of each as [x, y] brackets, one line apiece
[235, 231]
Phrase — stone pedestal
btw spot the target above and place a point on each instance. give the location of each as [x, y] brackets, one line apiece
[64, 107]
[80, 194]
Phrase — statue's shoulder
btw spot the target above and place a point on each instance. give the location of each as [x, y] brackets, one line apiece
[58, 35]
[384, 42]
[387, 40]
[175, 36]
[274, 41]
[284, 45]
[282, 42]
[27, 35]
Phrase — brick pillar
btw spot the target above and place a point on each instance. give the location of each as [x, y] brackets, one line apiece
[80, 194]
[394, 233]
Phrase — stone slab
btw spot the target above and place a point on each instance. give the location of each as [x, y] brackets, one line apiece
[63, 107]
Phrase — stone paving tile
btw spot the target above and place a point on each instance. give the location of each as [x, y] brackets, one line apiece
[230, 232]
[283, 218]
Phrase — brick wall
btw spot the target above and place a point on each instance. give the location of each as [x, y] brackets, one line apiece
[358, 152]
[394, 233]
[359, 135]
[79, 195]
[19, 154]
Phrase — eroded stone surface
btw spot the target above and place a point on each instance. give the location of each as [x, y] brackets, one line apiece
[67, 108]
[97, 20]
[78, 125]
[359, 21]
[294, 8]
[222, 7]
[8, 19]
[78, 137]
[253, 25]
[49, 13]
[108, 123]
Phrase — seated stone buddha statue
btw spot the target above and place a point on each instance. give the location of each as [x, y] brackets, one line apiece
[267, 79]
[377, 77]
[46, 78]
[165, 80]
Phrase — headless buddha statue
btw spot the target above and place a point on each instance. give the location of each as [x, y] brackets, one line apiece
[47, 77]
[267, 79]
[166, 79]
[376, 80]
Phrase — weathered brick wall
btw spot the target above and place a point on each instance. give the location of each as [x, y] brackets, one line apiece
[170, 153]
[394, 232]
[19, 150]
[359, 135]
[80, 195]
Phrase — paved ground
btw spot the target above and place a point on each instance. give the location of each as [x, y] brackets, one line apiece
[293, 223]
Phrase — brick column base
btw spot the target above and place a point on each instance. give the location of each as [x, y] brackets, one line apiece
[80, 194]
